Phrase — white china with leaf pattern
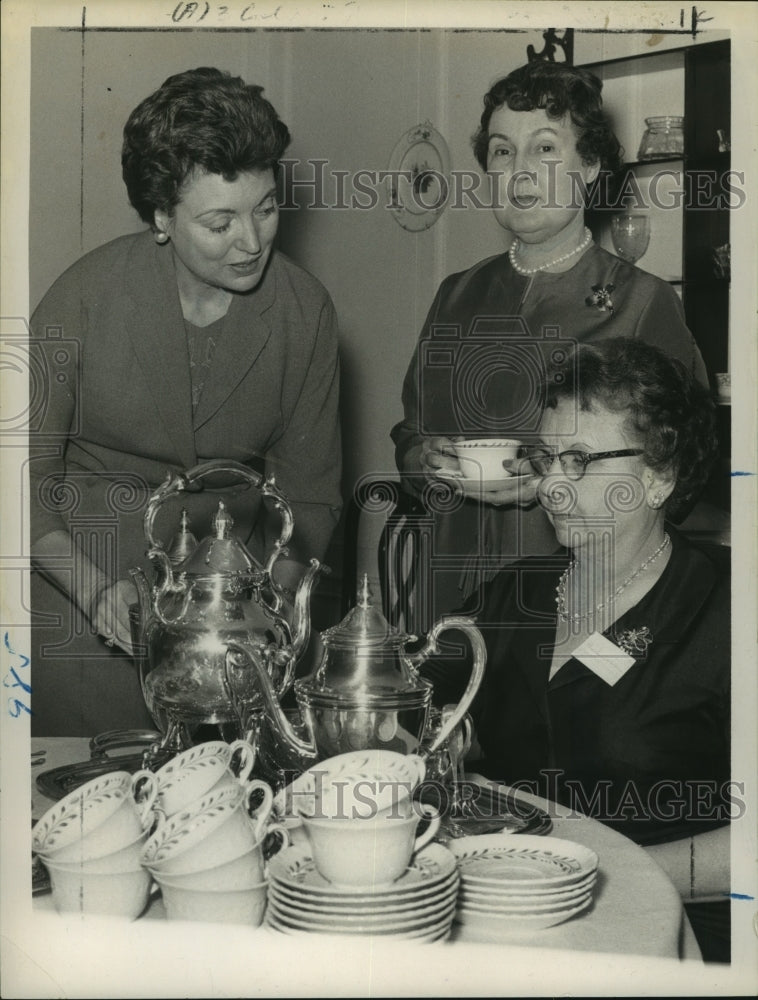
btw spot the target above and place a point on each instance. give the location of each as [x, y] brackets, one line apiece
[296, 869]
[374, 923]
[371, 904]
[230, 906]
[487, 458]
[201, 769]
[378, 779]
[369, 853]
[423, 931]
[98, 818]
[533, 900]
[217, 829]
[534, 890]
[114, 894]
[522, 859]
[493, 923]
[506, 906]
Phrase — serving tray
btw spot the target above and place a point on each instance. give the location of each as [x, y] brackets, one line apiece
[487, 809]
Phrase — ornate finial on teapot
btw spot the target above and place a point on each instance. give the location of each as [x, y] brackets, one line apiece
[183, 543]
[222, 521]
[364, 592]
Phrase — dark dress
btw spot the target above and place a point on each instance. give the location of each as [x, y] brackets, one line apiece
[481, 357]
[649, 756]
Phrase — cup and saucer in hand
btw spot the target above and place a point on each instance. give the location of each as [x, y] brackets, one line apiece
[491, 470]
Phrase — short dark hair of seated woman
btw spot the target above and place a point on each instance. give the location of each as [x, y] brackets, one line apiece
[671, 413]
[607, 685]
[202, 119]
[559, 90]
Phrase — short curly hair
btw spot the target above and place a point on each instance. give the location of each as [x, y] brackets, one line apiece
[200, 119]
[559, 90]
[668, 410]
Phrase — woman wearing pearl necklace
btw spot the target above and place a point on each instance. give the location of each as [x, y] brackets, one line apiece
[543, 140]
[607, 685]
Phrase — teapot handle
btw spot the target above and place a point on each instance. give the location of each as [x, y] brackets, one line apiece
[178, 482]
[468, 627]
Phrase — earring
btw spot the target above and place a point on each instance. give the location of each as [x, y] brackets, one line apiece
[657, 500]
[160, 237]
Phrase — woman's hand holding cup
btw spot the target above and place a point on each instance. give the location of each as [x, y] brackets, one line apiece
[438, 456]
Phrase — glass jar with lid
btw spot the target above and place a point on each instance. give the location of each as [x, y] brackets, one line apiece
[664, 137]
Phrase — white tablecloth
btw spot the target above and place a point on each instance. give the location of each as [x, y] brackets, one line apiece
[637, 917]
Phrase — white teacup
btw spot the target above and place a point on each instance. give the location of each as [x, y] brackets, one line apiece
[370, 853]
[364, 798]
[200, 770]
[127, 859]
[117, 894]
[359, 784]
[217, 829]
[97, 819]
[240, 873]
[487, 458]
[239, 906]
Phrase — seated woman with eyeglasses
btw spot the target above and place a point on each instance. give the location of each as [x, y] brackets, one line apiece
[607, 682]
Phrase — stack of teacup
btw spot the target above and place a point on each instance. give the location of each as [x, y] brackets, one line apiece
[207, 856]
[91, 843]
[364, 868]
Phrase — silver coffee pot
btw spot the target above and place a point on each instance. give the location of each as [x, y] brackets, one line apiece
[364, 693]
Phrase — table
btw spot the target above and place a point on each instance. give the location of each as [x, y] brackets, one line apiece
[637, 918]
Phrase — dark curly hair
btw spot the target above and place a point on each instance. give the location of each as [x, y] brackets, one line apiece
[558, 89]
[669, 411]
[202, 118]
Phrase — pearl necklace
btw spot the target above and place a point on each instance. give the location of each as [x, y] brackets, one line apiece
[526, 271]
[560, 590]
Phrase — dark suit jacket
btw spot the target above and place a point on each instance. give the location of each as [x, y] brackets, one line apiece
[111, 413]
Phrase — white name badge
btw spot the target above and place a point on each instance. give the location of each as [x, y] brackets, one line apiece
[604, 658]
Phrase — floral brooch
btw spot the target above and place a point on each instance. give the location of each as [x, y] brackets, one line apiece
[634, 641]
[601, 298]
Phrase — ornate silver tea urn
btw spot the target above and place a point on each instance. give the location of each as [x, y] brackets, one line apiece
[217, 596]
[365, 691]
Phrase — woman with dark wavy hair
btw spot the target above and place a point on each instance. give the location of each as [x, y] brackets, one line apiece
[196, 340]
[608, 672]
[544, 141]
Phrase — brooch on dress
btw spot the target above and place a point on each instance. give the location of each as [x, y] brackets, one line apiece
[601, 298]
[634, 641]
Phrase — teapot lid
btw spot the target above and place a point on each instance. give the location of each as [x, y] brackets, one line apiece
[220, 553]
[364, 625]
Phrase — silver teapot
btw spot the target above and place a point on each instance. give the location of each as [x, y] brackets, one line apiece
[364, 693]
[218, 594]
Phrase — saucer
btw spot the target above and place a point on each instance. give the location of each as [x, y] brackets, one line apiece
[492, 924]
[522, 859]
[374, 906]
[475, 486]
[296, 869]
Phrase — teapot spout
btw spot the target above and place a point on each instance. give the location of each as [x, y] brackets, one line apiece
[239, 655]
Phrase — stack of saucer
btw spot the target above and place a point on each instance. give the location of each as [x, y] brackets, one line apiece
[418, 905]
[522, 882]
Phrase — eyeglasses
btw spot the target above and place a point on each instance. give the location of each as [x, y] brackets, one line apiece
[573, 463]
